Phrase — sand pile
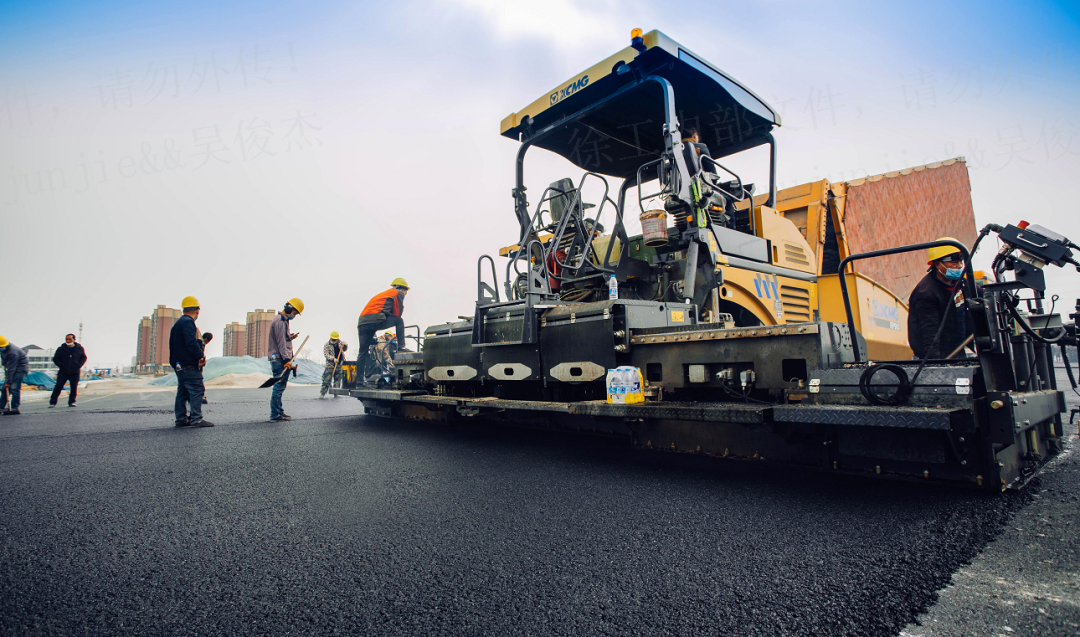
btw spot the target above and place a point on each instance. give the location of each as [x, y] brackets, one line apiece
[241, 381]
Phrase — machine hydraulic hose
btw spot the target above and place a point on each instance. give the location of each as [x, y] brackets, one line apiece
[906, 387]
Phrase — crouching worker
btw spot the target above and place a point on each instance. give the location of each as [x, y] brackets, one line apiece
[334, 353]
[382, 312]
[186, 358]
[16, 367]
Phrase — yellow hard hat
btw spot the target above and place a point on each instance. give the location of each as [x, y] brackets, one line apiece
[334, 336]
[189, 302]
[297, 304]
[935, 253]
[3, 342]
[400, 282]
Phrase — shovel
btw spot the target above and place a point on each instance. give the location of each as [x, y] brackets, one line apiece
[276, 379]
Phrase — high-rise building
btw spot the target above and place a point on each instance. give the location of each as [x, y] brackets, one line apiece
[258, 332]
[235, 340]
[145, 347]
[161, 322]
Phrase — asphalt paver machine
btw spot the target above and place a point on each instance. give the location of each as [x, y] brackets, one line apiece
[718, 303]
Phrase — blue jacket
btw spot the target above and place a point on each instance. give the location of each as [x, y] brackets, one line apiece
[184, 344]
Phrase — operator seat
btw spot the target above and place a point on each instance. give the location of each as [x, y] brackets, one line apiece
[561, 204]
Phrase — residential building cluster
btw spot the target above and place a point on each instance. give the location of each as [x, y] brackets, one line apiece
[238, 339]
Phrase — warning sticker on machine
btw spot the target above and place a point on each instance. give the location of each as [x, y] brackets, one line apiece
[678, 316]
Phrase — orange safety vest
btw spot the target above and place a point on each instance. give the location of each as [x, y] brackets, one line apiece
[377, 302]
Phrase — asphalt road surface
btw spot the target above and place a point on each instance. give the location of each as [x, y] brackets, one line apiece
[115, 522]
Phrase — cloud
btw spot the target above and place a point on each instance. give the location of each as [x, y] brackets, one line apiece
[566, 24]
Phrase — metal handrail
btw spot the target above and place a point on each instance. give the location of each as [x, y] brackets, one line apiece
[578, 205]
[480, 285]
[418, 338]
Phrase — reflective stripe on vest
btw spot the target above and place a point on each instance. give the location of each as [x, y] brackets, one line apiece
[376, 304]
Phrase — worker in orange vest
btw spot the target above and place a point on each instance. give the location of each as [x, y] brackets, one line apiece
[382, 312]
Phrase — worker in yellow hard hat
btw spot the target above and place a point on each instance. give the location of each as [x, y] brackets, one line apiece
[187, 359]
[938, 297]
[16, 367]
[334, 353]
[280, 353]
[382, 312]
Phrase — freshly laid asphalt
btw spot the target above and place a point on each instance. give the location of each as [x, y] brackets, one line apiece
[112, 521]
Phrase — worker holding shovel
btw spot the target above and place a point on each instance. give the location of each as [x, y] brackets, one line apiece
[280, 352]
[334, 352]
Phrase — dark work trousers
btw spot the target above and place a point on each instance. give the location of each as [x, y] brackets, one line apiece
[189, 392]
[365, 333]
[14, 387]
[61, 378]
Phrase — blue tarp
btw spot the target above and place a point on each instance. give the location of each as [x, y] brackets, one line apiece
[308, 372]
[40, 379]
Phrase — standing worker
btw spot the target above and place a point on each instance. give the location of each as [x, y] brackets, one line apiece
[280, 353]
[69, 358]
[334, 352]
[938, 296]
[16, 367]
[186, 357]
[382, 312]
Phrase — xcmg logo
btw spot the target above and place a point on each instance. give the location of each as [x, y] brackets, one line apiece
[569, 90]
[887, 312]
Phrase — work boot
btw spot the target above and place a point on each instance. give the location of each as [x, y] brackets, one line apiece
[183, 422]
[71, 404]
[51, 406]
[201, 423]
[281, 418]
[12, 412]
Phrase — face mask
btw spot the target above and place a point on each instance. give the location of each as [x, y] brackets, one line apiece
[954, 274]
[70, 344]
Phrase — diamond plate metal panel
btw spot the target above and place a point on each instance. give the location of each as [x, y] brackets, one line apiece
[930, 375]
[700, 412]
[895, 417]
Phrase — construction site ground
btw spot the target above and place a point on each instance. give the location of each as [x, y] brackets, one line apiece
[114, 521]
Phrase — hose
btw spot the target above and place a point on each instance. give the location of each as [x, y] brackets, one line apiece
[1024, 325]
[904, 389]
[906, 386]
[1068, 367]
[982, 235]
[746, 398]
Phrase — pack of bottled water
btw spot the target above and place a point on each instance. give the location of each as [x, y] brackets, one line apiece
[625, 386]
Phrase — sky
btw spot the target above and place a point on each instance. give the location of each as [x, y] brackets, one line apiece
[250, 152]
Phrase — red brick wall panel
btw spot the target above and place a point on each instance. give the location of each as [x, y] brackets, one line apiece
[900, 209]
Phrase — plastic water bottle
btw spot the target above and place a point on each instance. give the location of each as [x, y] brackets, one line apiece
[613, 288]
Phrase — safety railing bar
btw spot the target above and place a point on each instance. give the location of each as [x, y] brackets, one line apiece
[587, 243]
[596, 224]
[532, 223]
[480, 285]
[418, 338]
[643, 198]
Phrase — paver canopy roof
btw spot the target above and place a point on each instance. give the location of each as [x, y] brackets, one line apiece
[627, 131]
